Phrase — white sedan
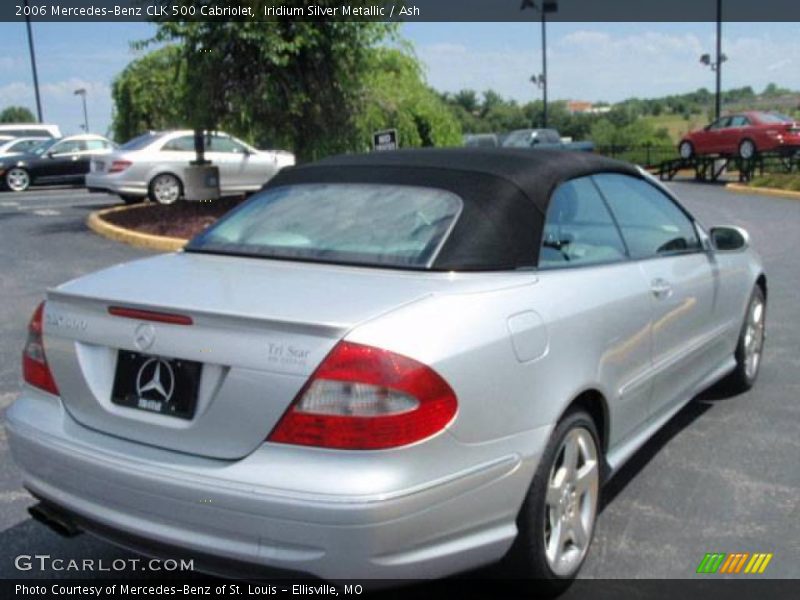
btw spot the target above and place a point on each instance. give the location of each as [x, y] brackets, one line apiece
[154, 166]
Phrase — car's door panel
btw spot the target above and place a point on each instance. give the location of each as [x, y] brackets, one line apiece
[733, 135]
[65, 161]
[682, 282]
[682, 302]
[713, 139]
[580, 232]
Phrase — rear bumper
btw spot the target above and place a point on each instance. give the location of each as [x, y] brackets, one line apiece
[128, 491]
[103, 182]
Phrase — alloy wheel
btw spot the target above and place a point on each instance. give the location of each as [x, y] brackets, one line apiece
[571, 502]
[685, 150]
[166, 189]
[18, 180]
[747, 149]
[754, 338]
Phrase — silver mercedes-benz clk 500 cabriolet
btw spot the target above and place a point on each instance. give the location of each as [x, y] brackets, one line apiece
[402, 364]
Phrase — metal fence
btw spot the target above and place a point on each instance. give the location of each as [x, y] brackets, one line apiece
[655, 156]
[648, 155]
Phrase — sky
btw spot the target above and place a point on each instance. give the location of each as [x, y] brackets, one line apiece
[586, 61]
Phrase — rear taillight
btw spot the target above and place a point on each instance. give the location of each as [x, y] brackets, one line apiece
[119, 165]
[365, 398]
[35, 369]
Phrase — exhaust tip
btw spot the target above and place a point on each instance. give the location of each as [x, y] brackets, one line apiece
[57, 521]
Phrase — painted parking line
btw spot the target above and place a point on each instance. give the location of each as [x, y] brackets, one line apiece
[26, 208]
[63, 197]
[47, 212]
[9, 203]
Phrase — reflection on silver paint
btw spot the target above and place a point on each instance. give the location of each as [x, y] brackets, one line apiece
[517, 347]
[528, 334]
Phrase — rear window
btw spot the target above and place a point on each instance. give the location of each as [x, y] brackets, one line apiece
[363, 224]
[774, 118]
[140, 142]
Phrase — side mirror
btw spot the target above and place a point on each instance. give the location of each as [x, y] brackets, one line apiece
[729, 239]
[50, 154]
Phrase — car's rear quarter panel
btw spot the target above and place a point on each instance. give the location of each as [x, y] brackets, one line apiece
[590, 332]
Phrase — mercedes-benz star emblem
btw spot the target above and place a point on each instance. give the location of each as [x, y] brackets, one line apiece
[144, 335]
[155, 380]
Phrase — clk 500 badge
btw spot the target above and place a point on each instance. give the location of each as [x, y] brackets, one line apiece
[65, 322]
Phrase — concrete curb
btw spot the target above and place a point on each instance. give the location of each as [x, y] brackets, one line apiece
[100, 226]
[765, 191]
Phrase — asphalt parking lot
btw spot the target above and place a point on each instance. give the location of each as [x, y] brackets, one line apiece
[723, 476]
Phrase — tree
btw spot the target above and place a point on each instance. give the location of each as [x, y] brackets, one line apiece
[396, 95]
[150, 93]
[773, 91]
[468, 100]
[293, 81]
[17, 114]
[605, 133]
[491, 101]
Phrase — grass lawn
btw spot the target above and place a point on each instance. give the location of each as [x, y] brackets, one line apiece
[676, 125]
[783, 181]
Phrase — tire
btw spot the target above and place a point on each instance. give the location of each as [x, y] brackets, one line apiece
[17, 179]
[132, 199]
[555, 501]
[686, 149]
[165, 188]
[750, 347]
[747, 149]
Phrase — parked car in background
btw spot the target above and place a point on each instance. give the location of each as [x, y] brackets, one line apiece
[64, 160]
[744, 135]
[154, 166]
[19, 145]
[284, 158]
[548, 139]
[30, 130]
[481, 140]
[390, 365]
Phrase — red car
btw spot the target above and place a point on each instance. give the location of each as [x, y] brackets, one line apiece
[743, 134]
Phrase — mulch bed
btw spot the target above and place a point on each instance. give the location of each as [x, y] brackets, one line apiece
[181, 220]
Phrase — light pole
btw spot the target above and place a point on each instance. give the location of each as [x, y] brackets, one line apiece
[539, 82]
[716, 66]
[82, 93]
[544, 7]
[33, 63]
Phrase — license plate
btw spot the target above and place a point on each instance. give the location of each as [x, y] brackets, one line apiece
[167, 386]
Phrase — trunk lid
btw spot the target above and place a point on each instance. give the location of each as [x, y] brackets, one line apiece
[259, 328]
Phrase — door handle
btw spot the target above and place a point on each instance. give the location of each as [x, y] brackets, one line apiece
[661, 288]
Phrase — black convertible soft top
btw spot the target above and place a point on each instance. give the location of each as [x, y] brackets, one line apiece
[505, 193]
